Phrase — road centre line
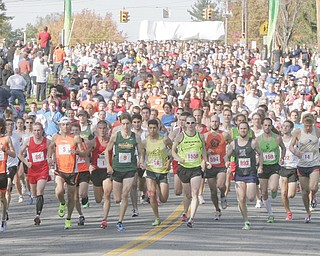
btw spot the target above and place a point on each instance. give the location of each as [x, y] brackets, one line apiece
[144, 238]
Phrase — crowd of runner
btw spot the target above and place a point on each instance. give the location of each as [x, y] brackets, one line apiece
[121, 116]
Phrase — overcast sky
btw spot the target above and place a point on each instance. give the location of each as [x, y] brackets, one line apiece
[25, 11]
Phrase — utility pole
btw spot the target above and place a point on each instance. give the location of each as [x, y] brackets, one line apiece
[226, 22]
[245, 20]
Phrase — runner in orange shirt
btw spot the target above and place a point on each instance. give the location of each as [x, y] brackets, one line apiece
[6, 149]
[65, 146]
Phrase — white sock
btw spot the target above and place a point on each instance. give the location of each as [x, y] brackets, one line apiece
[267, 204]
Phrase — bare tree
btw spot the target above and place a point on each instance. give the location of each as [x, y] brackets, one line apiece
[289, 12]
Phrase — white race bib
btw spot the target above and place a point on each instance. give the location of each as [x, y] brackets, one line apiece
[37, 157]
[101, 162]
[308, 156]
[124, 158]
[269, 156]
[64, 149]
[288, 158]
[244, 163]
[193, 156]
[1, 155]
[80, 160]
[156, 162]
[214, 159]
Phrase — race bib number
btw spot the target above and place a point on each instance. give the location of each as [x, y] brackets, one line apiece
[1, 155]
[124, 158]
[244, 163]
[308, 156]
[269, 156]
[214, 159]
[193, 156]
[37, 157]
[101, 162]
[288, 158]
[64, 149]
[80, 160]
[156, 162]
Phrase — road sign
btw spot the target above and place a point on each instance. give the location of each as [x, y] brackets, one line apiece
[264, 28]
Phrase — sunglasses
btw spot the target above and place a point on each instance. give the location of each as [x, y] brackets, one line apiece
[29, 122]
[190, 122]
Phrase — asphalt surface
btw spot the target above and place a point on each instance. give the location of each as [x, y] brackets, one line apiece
[172, 237]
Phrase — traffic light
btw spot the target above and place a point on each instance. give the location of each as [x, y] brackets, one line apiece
[205, 13]
[124, 16]
[209, 13]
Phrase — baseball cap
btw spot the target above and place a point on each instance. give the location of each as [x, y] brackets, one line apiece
[45, 101]
[82, 113]
[64, 120]
[85, 81]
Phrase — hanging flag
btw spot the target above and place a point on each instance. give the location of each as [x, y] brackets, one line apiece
[67, 21]
[274, 6]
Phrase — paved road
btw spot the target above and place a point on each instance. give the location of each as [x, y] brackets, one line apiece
[208, 237]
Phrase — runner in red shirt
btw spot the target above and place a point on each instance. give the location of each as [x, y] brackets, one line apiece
[37, 163]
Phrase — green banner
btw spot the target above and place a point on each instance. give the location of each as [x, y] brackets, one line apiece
[67, 21]
[274, 6]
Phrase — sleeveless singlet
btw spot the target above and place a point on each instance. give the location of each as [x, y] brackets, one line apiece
[290, 161]
[309, 146]
[65, 160]
[3, 156]
[157, 156]
[124, 158]
[190, 149]
[270, 150]
[98, 156]
[245, 158]
[216, 149]
[82, 166]
[38, 156]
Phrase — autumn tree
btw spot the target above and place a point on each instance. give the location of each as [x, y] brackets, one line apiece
[196, 11]
[88, 27]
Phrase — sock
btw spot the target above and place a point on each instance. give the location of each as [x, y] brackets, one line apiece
[84, 201]
[39, 205]
[267, 204]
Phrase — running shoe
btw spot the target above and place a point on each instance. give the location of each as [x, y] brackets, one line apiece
[314, 203]
[246, 226]
[217, 215]
[37, 220]
[62, 210]
[201, 199]
[81, 220]
[104, 224]
[120, 227]
[67, 224]
[20, 200]
[307, 219]
[3, 226]
[142, 201]
[224, 203]
[190, 223]
[30, 201]
[270, 219]
[156, 222]
[258, 204]
[289, 216]
[135, 213]
[87, 205]
[274, 194]
[184, 217]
